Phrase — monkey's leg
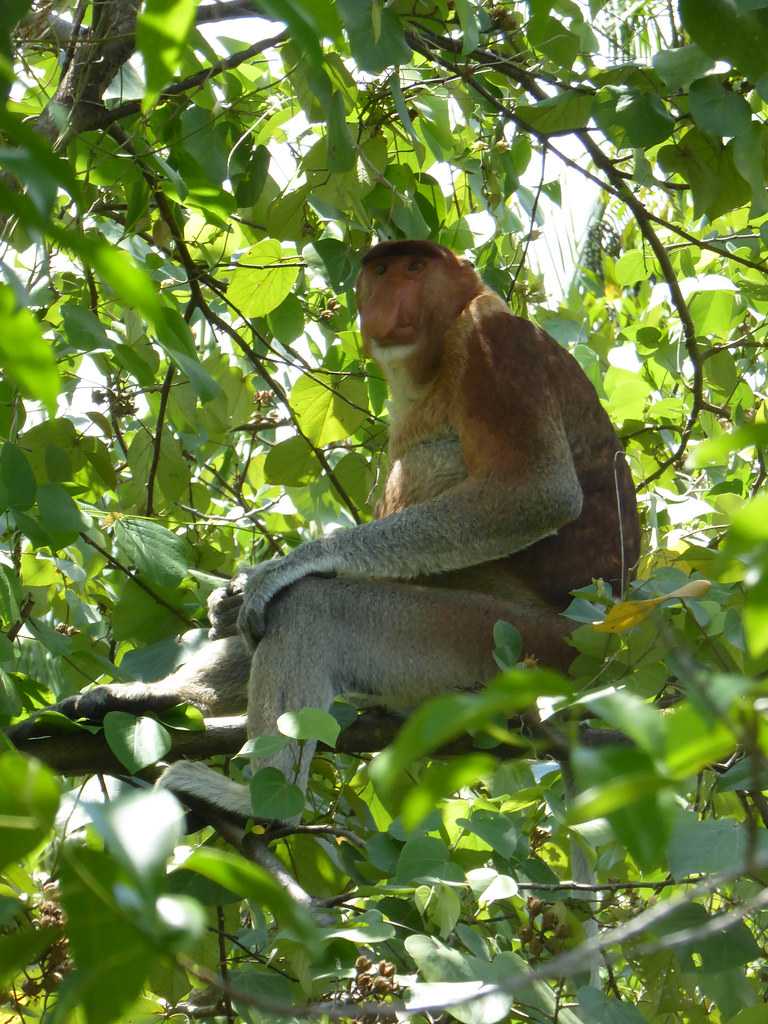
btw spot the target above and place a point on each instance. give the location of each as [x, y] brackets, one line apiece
[398, 642]
[214, 679]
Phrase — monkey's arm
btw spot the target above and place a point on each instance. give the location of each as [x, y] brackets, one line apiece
[522, 487]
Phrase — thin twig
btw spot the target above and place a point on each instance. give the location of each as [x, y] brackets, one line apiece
[214, 319]
[620, 188]
[131, 107]
[223, 965]
[157, 446]
[135, 578]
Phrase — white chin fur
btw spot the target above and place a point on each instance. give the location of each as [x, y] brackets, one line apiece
[388, 354]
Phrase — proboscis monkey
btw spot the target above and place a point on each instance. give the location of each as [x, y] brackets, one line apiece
[507, 489]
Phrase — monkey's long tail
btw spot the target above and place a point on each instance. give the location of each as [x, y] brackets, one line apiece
[203, 785]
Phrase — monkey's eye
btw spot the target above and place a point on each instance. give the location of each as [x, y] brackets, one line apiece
[416, 264]
[380, 269]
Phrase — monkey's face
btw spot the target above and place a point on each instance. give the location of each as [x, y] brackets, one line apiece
[392, 298]
[408, 294]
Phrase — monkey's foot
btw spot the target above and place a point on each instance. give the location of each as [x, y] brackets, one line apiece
[93, 705]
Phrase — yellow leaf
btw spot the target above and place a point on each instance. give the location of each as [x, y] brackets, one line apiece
[626, 614]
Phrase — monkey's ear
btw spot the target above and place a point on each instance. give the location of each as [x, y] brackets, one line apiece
[467, 264]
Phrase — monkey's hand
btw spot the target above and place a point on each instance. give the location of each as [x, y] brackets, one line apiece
[241, 605]
[224, 606]
[262, 583]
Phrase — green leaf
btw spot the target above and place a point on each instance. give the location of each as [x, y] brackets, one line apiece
[251, 182]
[622, 785]
[507, 644]
[291, 462]
[744, 775]
[442, 719]
[29, 799]
[444, 909]
[264, 277]
[405, 117]
[440, 779]
[59, 514]
[706, 846]
[135, 742]
[637, 119]
[333, 259]
[298, 16]
[158, 554]
[12, 12]
[10, 594]
[498, 887]
[176, 339]
[711, 312]
[341, 147]
[23, 946]
[566, 112]
[553, 39]
[717, 951]
[42, 185]
[717, 110]
[310, 724]
[694, 740]
[273, 797]
[469, 25]
[682, 66]
[599, 1009]
[141, 829]
[112, 954]
[633, 266]
[756, 617]
[709, 169]
[254, 883]
[17, 481]
[613, 795]
[451, 975]
[328, 410]
[287, 321]
[184, 717]
[749, 155]
[368, 927]
[263, 746]
[725, 31]
[25, 358]
[129, 283]
[373, 54]
[162, 30]
[715, 450]
[424, 858]
[629, 714]
[496, 829]
[84, 330]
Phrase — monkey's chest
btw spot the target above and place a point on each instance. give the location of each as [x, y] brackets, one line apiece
[424, 470]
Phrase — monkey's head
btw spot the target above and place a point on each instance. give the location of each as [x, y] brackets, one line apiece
[409, 293]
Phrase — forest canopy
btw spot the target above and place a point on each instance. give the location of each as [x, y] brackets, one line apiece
[186, 191]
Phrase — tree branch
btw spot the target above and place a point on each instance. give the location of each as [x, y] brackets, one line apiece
[96, 57]
[225, 11]
[131, 107]
[84, 753]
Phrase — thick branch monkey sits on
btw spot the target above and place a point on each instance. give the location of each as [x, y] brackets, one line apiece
[507, 489]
